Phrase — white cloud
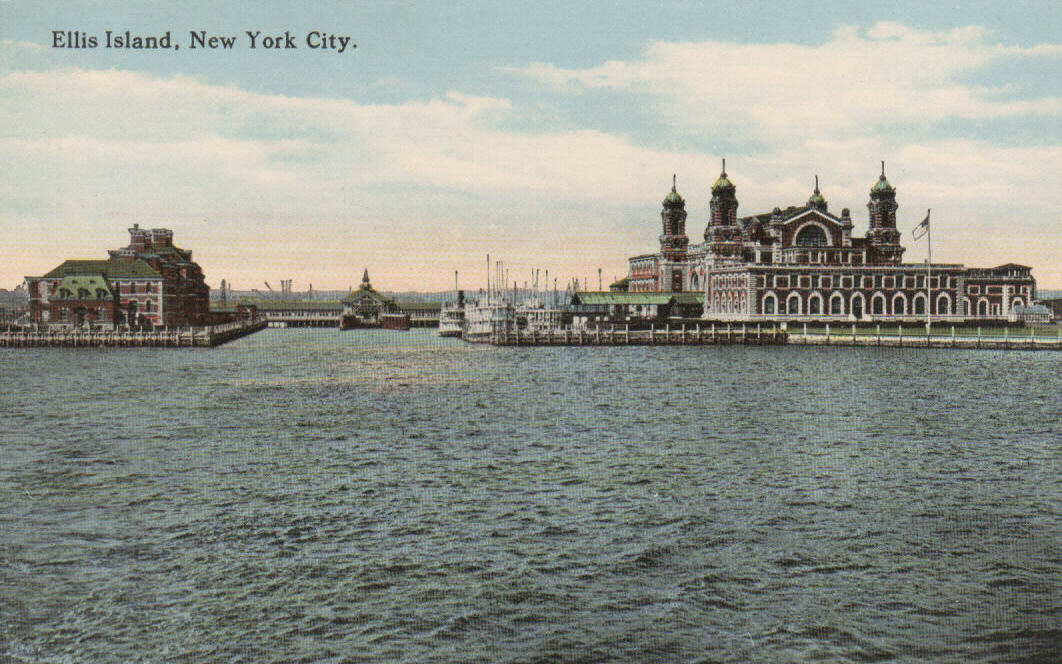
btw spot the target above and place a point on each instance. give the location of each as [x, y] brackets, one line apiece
[852, 85]
[435, 181]
[315, 189]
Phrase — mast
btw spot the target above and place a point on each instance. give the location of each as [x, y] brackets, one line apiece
[929, 272]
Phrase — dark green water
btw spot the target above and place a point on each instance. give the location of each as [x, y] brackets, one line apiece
[371, 496]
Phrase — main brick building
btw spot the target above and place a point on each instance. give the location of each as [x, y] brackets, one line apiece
[149, 283]
[804, 263]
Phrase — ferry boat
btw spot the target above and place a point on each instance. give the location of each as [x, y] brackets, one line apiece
[534, 316]
[487, 320]
[452, 317]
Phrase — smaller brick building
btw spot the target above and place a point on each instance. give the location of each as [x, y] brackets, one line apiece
[148, 284]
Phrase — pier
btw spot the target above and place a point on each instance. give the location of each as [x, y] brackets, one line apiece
[185, 337]
[942, 337]
[666, 335]
[715, 334]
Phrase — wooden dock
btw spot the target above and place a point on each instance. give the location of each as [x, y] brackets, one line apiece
[1019, 340]
[185, 337]
[716, 334]
[667, 335]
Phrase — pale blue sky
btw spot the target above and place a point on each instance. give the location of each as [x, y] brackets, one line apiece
[543, 133]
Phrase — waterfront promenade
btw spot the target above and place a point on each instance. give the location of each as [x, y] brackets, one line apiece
[941, 337]
[716, 334]
[185, 337]
[657, 335]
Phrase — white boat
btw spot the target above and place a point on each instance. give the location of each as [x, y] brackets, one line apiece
[534, 316]
[488, 320]
[452, 318]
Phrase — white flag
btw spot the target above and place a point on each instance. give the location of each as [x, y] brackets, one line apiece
[921, 229]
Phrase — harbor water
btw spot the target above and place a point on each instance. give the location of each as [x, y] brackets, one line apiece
[376, 496]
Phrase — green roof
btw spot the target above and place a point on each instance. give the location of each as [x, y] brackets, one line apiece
[599, 298]
[689, 298]
[419, 306]
[882, 186]
[722, 183]
[617, 298]
[673, 199]
[112, 268]
[366, 292]
[83, 287]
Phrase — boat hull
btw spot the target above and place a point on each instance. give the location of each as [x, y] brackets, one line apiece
[395, 322]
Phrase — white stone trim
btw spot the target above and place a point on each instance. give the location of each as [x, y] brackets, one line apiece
[836, 296]
[902, 298]
[947, 308]
[811, 222]
[884, 304]
[763, 303]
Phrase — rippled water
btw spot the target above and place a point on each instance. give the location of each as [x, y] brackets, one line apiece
[312, 495]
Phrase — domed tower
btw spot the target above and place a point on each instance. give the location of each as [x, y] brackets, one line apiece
[723, 235]
[883, 237]
[673, 241]
[816, 201]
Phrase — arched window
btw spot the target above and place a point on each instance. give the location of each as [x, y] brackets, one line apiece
[899, 305]
[943, 307]
[836, 304]
[877, 305]
[919, 304]
[982, 307]
[811, 236]
[770, 303]
[793, 304]
[857, 305]
[815, 304]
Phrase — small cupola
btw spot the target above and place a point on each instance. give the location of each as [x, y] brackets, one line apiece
[723, 183]
[817, 201]
[882, 186]
[673, 199]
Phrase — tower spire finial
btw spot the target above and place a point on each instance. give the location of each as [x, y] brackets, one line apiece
[816, 184]
[724, 165]
[673, 181]
[882, 168]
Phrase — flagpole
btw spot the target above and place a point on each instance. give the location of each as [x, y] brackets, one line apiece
[929, 273]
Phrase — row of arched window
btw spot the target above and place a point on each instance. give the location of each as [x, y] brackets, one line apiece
[729, 304]
[879, 305]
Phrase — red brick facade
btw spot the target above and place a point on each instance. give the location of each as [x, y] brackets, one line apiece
[804, 263]
[148, 284]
